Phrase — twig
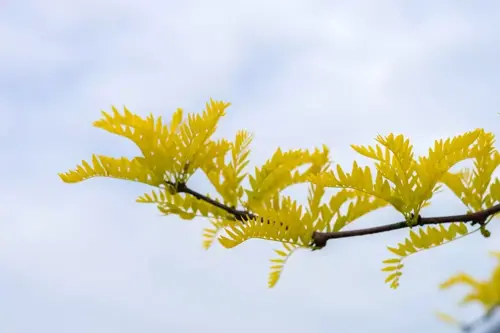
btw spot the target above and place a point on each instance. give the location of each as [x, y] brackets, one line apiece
[320, 239]
[239, 215]
[468, 327]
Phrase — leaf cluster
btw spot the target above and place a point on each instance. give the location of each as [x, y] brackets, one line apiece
[483, 292]
[172, 152]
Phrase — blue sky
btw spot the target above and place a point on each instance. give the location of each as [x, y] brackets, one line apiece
[87, 258]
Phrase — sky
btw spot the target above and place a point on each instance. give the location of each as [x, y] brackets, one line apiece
[86, 258]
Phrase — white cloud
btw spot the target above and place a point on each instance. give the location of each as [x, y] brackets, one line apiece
[298, 74]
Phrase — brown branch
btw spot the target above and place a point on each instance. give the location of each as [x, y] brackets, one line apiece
[239, 215]
[470, 326]
[320, 239]
[479, 217]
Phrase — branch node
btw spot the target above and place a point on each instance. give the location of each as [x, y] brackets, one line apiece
[319, 240]
[412, 223]
[481, 220]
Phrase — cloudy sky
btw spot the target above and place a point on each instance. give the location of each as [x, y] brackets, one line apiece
[87, 258]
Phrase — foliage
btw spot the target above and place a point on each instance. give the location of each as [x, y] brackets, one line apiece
[471, 186]
[486, 293]
[173, 152]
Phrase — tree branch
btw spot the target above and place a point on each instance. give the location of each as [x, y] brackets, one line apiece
[469, 327]
[479, 217]
[239, 215]
[320, 239]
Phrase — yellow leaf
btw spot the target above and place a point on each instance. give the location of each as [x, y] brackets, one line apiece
[392, 277]
[448, 319]
[392, 261]
[397, 251]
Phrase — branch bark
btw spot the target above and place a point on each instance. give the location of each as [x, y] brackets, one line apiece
[479, 217]
[239, 215]
[320, 239]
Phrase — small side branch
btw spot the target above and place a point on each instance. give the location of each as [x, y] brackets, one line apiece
[239, 215]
